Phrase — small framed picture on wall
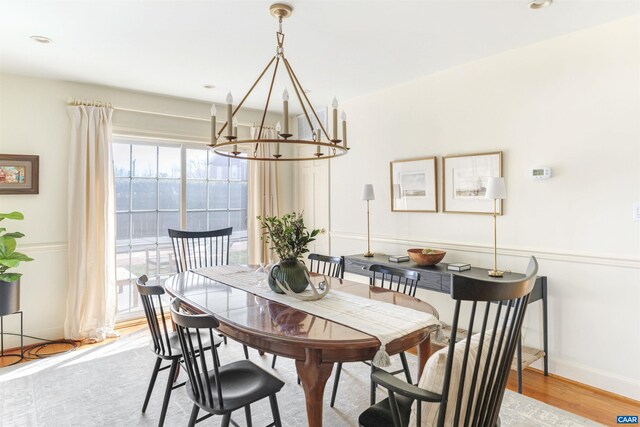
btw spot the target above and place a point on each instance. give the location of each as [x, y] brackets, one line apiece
[464, 182]
[18, 174]
[414, 186]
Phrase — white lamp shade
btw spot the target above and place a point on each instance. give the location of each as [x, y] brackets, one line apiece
[367, 192]
[496, 189]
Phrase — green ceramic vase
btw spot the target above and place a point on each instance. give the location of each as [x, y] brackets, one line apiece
[291, 271]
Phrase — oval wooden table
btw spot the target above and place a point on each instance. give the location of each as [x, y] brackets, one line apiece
[314, 342]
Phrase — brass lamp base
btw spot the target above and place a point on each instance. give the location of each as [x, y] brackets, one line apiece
[368, 254]
[496, 273]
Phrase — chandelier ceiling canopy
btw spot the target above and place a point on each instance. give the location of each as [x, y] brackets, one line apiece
[282, 147]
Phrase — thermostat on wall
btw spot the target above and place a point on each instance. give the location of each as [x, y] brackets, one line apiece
[541, 172]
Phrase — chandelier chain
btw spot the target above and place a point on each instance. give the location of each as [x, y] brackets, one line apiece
[280, 38]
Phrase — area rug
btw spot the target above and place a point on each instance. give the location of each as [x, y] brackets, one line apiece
[106, 385]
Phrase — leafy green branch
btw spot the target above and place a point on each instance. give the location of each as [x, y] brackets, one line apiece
[9, 258]
[288, 235]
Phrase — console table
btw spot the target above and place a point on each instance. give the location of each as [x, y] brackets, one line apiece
[437, 278]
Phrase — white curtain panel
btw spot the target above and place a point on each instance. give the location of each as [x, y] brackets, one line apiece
[263, 198]
[91, 299]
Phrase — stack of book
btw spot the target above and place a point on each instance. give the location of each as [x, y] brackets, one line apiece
[398, 258]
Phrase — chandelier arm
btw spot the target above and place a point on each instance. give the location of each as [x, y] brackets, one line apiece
[334, 151]
[305, 97]
[295, 87]
[246, 95]
[266, 107]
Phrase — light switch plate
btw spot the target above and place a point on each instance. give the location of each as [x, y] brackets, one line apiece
[636, 211]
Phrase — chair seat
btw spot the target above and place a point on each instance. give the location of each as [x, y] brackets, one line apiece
[379, 415]
[242, 383]
[174, 344]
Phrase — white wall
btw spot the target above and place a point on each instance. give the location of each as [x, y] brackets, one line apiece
[571, 103]
[33, 120]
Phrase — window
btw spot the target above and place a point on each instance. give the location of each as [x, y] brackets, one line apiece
[217, 197]
[149, 178]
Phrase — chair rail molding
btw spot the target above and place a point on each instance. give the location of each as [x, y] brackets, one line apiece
[34, 248]
[581, 258]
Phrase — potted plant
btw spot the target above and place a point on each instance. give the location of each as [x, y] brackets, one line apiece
[289, 239]
[9, 258]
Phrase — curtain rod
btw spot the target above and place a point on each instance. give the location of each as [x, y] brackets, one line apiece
[93, 103]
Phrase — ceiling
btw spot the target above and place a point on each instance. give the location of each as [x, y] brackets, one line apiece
[341, 48]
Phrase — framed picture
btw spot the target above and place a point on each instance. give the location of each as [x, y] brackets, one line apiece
[414, 186]
[18, 174]
[464, 182]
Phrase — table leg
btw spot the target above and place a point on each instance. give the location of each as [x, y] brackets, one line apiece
[545, 331]
[424, 351]
[314, 375]
[520, 364]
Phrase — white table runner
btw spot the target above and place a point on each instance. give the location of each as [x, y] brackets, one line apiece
[382, 320]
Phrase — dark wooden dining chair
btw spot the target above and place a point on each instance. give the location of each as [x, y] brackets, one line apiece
[164, 343]
[327, 265]
[395, 279]
[197, 249]
[215, 388]
[470, 391]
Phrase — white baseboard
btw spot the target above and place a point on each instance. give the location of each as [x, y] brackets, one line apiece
[618, 384]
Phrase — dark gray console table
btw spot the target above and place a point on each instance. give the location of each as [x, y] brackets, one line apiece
[437, 278]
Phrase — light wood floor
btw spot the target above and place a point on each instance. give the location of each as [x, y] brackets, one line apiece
[585, 401]
[580, 399]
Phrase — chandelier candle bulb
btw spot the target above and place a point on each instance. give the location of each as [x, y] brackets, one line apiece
[213, 124]
[285, 110]
[335, 118]
[230, 115]
[343, 116]
[235, 134]
[318, 139]
[278, 128]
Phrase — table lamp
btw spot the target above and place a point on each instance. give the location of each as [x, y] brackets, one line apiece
[368, 195]
[496, 191]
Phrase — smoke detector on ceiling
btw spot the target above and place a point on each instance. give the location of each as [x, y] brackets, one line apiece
[41, 39]
[539, 4]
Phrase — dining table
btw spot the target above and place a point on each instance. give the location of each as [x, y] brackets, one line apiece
[315, 343]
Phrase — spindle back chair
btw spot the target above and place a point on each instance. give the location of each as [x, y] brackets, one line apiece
[475, 369]
[399, 280]
[215, 388]
[197, 249]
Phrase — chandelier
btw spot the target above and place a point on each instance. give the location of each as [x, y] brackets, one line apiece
[321, 145]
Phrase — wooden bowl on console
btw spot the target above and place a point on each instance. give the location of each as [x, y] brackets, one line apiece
[423, 260]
